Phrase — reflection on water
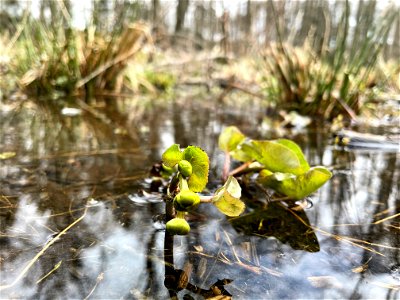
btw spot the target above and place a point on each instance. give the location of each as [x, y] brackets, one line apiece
[78, 221]
[288, 226]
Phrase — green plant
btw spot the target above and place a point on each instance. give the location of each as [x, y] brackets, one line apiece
[190, 177]
[162, 81]
[61, 59]
[332, 80]
[280, 165]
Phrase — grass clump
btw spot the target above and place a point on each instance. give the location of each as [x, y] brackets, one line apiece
[61, 59]
[337, 80]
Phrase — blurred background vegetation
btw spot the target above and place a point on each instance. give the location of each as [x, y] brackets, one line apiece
[316, 57]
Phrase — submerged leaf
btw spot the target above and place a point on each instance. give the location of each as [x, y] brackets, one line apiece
[172, 156]
[200, 166]
[296, 187]
[227, 198]
[230, 138]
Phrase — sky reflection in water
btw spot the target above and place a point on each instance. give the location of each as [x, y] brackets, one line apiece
[117, 250]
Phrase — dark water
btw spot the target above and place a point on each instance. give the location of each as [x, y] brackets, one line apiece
[78, 219]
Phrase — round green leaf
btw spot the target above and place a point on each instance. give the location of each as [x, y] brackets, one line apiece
[200, 166]
[230, 138]
[297, 187]
[227, 198]
[172, 156]
[304, 166]
[274, 156]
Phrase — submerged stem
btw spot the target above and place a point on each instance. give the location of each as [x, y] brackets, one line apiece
[169, 209]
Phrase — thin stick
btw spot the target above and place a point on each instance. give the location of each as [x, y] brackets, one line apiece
[98, 279]
[385, 219]
[44, 249]
[48, 274]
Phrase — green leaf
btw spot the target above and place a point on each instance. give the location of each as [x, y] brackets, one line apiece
[297, 150]
[230, 138]
[296, 187]
[227, 198]
[240, 152]
[274, 156]
[200, 166]
[172, 156]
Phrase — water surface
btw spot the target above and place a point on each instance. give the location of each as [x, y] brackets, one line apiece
[79, 220]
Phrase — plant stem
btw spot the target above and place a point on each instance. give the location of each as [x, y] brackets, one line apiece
[206, 199]
[180, 214]
[227, 163]
[183, 184]
[239, 169]
[169, 280]
[169, 209]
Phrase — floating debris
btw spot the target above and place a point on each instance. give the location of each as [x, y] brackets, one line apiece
[71, 111]
[6, 155]
[356, 140]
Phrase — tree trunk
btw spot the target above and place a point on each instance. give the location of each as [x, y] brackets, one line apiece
[199, 18]
[181, 10]
[225, 33]
[248, 19]
[269, 23]
[156, 12]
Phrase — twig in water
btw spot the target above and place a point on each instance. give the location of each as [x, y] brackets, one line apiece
[98, 279]
[48, 274]
[44, 249]
[385, 219]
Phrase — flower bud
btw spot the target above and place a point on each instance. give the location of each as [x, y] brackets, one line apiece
[186, 200]
[178, 226]
[185, 168]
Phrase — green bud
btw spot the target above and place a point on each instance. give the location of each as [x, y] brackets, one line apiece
[178, 226]
[185, 168]
[186, 200]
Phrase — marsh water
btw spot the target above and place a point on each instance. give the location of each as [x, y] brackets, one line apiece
[80, 218]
